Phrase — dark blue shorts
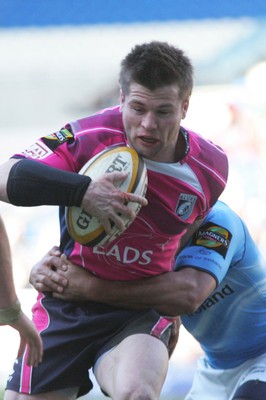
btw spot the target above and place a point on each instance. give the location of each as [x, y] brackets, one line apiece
[74, 336]
[254, 389]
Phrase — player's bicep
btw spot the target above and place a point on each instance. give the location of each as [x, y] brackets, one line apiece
[211, 250]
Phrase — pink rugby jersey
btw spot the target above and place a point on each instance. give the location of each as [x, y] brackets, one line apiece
[177, 193]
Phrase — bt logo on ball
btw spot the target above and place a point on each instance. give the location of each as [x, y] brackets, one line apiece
[118, 165]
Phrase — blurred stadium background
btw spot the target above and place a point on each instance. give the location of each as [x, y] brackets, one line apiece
[60, 61]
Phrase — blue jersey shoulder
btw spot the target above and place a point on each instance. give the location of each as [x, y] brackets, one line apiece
[218, 243]
[230, 324]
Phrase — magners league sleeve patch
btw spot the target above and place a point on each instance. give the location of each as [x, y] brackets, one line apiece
[57, 138]
[213, 237]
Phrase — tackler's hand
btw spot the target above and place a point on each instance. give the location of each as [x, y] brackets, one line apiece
[45, 275]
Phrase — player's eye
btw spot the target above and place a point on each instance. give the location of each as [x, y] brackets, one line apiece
[138, 110]
[163, 112]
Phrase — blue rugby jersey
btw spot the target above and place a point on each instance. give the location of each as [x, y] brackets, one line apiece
[230, 325]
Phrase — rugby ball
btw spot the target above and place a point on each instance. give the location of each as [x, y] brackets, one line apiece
[87, 229]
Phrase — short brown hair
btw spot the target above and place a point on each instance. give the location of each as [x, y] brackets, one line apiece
[156, 64]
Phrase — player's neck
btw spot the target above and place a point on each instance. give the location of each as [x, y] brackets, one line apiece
[182, 146]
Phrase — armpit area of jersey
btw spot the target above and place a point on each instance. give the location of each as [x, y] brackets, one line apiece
[31, 183]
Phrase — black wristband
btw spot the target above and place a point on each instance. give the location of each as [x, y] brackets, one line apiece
[31, 183]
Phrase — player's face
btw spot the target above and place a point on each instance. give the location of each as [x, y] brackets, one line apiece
[152, 121]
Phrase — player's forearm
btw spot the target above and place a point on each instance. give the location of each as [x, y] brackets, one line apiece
[31, 183]
[170, 294]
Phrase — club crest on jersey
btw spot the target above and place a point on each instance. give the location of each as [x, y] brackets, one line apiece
[185, 205]
[213, 237]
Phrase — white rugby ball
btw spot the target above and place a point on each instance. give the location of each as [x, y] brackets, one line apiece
[87, 229]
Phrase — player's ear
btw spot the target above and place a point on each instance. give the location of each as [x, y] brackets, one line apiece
[122, 99]
[185, 106]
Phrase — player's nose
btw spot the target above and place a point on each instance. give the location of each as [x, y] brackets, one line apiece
[149, 121]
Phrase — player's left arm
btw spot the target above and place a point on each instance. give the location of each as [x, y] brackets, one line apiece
[171, 293]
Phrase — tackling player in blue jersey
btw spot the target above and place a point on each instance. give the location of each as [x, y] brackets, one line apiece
[219, 289]
[230, 324]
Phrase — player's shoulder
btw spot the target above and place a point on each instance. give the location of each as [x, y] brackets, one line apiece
[222, 233]
[205, 148]
[108, 119]
[222, 215]
[208, 156]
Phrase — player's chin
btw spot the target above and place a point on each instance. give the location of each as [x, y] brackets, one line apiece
[149, 154]
[148, 149]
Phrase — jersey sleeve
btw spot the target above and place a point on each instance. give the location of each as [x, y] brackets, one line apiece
[78, 141]
[52, 150]
[214, 245]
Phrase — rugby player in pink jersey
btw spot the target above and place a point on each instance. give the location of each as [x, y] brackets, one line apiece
[186, 175]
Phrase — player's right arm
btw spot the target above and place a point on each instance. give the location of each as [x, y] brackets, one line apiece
[25, 182]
